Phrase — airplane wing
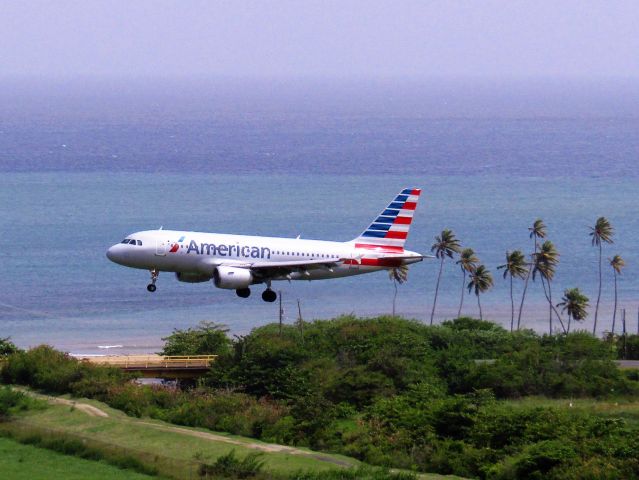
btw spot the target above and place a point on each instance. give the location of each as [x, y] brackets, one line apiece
[279, 269]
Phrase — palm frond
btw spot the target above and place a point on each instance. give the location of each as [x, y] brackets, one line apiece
[545, 261]
[446, 244]
[617, 263]
[481, 280]
[515, 265]
[603, 231]
[575, 303]
[538, 229]
[467, 260]
[399, 274]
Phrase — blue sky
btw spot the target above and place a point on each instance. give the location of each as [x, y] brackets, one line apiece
[344, 39]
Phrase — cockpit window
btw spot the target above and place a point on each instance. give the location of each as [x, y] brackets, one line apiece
[126, 240]
[140, 243]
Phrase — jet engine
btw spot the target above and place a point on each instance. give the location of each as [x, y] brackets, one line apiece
[192, 277]
[232, 278]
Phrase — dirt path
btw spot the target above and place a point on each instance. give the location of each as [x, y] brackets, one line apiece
[264, 447]
[83, 407]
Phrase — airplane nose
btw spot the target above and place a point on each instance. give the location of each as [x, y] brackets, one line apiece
[115, 253]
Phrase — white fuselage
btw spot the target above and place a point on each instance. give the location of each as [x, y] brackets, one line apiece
[201, 253]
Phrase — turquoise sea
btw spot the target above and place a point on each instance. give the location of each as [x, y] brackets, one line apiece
[82, 166]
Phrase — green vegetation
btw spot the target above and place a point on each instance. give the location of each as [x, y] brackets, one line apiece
[230, 465]
[175, 452]
[450, 399]
[7, 347]
[207, 339]
[26, 462]
[12, 402]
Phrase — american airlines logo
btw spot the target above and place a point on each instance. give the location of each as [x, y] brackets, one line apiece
[223, 250]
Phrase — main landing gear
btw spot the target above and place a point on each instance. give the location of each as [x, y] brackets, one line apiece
[269, 295]
[154, 277]
[243, 292]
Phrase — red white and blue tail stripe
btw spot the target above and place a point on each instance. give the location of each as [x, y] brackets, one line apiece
[390, 228]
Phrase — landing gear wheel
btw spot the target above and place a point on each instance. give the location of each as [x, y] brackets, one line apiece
[243, 292]
[154, 277]
[269, 295]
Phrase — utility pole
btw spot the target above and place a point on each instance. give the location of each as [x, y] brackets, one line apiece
[300, 320]
[625, 352]
[281, 311]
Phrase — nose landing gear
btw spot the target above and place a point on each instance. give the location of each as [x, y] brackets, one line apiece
[154, 277]
[269, 295]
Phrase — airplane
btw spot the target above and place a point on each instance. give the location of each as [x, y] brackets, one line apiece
[236, 262]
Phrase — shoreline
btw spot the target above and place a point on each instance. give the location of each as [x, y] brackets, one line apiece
[135, 338]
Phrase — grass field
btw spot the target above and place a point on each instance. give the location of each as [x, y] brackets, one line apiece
[24, 462]
[168, 447]
[627, 408]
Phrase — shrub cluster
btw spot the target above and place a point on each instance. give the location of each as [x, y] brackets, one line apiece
[218, 410]
[12, 401]
[389, 391]
[7, 347]
[52, 371]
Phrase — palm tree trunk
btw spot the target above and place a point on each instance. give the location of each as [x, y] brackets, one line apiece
[614, 313]
[395, 295]
[439, 276]
[594, 328]
[479, 305]
[523, 297]
[563, 327]
[512, 306]
[549, 305]
[569, 318]
[461, 302]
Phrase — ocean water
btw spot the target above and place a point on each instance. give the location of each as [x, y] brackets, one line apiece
[82, 165]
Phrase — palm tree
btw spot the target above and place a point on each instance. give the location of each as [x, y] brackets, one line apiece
[515, 267]
[617, 263]
[467, 262]
[446, 245]
[601, 232]
[537, 231]
[481, 281]
[575, 304]
[544, 263]
[398, 275]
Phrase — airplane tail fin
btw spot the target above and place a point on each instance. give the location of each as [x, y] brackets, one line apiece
[390, 229]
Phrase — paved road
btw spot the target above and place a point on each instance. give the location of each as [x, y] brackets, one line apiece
[630, 364]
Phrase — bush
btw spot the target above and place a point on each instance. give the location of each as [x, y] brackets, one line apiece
[12, 401]
[229, 466]
[207, 338]
[7, 347]
[52, 371]
[359, 473]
